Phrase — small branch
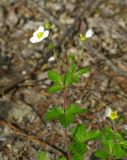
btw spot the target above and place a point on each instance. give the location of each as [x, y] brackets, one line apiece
[33, 138]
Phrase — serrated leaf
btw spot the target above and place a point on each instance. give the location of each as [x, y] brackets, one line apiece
[42, 156]
[55, 77]
[118, 152]
[82, 71]
[118, 136]
[102, 154]
[77, 156]
[66, 119]
[79, 133]
[74, 109]
[109, 144]
[92, 135]
[74, 79]
[53, 113]
[107, 133]
[69, 74]
[55, 88]
[123, 143]
[78, 147]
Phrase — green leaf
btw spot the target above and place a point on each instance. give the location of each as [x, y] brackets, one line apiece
[74, 109]
[42, 156]
[118, 136]
[69, 74]
[118, 152]
[79, 133]
[77, 156]
[55, 88]
[92, 135]
[102, 154]
[51, 46]
[78, 147]
[74, 79]
[82, 71]
[123, 143]
[109, 144]
[107, 133]
[55, 77]
[66, 119]
[53, 113]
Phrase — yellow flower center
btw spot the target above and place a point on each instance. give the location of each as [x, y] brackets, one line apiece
[113, 115]
[40, 35]
[82, 37]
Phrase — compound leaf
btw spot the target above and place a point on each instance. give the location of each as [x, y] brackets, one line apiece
[55, 77]
[53, 113]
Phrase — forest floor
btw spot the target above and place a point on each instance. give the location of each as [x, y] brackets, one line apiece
[23, 70]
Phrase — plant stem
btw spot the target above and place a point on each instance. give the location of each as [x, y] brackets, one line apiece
[65, 129]
[81, 54]
[114, 141]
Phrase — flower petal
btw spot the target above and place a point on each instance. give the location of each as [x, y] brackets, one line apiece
[41, 29]
[46, 33]
[89, 33]
[33, 40]
[51, 59]
[108, 111]
[35, 33]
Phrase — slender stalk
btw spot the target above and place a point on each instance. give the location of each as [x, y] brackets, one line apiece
[81, 54]
[114, 130]
[65, 129]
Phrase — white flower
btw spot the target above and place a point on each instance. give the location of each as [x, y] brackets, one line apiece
[89, 33]
[51, 59]
[39, 35]
[111, 114]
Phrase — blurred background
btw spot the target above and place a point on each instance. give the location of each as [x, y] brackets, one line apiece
[23, 69]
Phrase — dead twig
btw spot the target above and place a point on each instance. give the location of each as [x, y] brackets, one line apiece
[33, 138]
